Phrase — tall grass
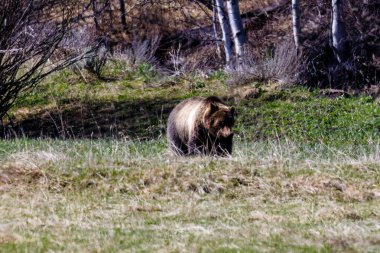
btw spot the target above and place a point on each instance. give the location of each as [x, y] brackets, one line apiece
[118, 195]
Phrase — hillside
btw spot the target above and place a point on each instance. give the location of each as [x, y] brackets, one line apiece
[303, 177]
[85, 164]
[137, 107]
[98, 96]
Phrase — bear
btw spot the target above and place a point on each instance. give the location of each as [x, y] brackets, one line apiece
[201, 126]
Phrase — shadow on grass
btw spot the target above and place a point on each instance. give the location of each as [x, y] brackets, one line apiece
[132, 119]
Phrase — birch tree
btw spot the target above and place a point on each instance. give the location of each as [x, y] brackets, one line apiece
[214, 14]
[296, 22]
[225, 28]
[237, 29]
[338, 31]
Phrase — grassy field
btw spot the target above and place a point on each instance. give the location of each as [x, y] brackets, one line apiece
[304, 175]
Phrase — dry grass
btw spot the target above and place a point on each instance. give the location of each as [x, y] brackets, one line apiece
[111, 196]
[281, 67]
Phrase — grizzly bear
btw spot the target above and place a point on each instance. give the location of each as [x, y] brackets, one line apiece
[201, 126]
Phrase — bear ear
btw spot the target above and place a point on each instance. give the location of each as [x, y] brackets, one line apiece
[213, 99]
[211, 109]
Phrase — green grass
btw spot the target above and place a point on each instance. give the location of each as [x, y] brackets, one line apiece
[295, 114]
[312, 119]
[304, 175]
[141, 83]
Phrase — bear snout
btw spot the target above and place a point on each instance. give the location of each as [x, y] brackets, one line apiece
[225, 132]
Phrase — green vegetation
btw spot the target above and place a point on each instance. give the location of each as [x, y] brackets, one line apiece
[297, 114]
[304, 175]
[277, 114]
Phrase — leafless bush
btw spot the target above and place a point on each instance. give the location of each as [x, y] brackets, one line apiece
[204, 59]
[138, 52]
[199, 59]
[144, 51]
[107, 53]
[77, 40]
[177, 61]
[31, 31]
[84, 40]
[97, 60]
[281, 65]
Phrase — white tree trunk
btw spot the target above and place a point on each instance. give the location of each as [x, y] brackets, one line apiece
[225, 29]
[338, 31]
[296, 22]
[214, 14]
[236, 27]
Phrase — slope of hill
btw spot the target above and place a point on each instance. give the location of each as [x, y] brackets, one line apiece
[85, 165]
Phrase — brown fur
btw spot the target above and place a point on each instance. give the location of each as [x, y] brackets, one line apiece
[201, 126]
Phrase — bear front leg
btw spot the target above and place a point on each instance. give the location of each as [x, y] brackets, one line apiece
[193, 145]
[224, 146]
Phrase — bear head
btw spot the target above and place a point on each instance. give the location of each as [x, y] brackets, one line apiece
[218, 118]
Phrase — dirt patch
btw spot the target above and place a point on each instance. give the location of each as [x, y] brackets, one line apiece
[334, 187]
[25, 169]
[19, 176]
[8, 237]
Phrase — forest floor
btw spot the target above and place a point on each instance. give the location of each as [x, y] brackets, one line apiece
[304, 175]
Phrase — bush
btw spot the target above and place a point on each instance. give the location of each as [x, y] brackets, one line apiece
[280, 65]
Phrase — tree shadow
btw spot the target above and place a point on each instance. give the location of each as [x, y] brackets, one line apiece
[138, 119]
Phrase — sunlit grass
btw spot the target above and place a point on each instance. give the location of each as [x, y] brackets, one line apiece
[118, 195]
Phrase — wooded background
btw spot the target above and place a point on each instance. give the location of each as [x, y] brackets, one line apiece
[321, 43]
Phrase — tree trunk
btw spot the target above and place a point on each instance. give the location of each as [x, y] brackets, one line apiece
[122, 16]
[225, 29]
[208, 3]
[338, 32]
[95, 12]
[296, 22]
[214, 14]
[110, 16]
[236, 24]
